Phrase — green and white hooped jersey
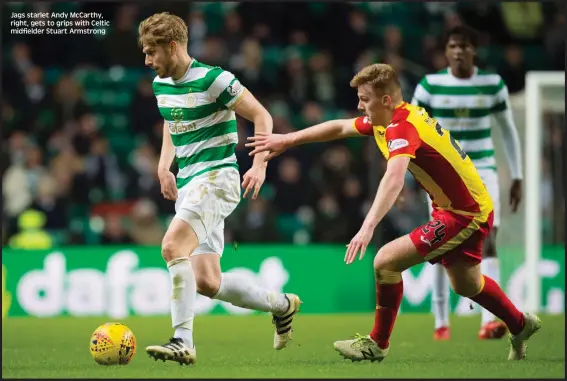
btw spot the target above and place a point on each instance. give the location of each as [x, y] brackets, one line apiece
[198, 110]
[464, 107]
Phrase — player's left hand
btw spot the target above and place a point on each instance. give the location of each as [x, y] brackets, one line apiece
[253, 180]
[358, 244]
[515, 194]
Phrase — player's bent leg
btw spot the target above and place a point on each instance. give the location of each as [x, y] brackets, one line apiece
[179, 240]
[468, 281]
[178, 243]
[243, 292]
[391, 260]
[465, 276]
[207, 273]
[398, 255]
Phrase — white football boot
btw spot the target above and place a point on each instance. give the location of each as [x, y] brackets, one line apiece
[174, 350]
[518, 343]
[283, 323]
[360, 348]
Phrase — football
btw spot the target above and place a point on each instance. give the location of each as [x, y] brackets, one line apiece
[113, 344]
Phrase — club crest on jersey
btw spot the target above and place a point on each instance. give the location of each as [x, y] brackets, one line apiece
[177, 114]
[234, 89]
[397, 144]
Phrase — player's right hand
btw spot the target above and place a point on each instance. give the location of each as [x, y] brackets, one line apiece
[168, 185]
[276, 144]
[359, 244]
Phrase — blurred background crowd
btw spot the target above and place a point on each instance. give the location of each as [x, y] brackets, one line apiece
[82, 132]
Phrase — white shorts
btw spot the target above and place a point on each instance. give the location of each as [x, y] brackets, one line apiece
[490, 179]
[204, 204]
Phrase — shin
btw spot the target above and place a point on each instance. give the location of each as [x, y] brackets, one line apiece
[389, 263]
[234, 288]
[178, 244]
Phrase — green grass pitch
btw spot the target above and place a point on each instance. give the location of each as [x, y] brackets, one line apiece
[241, 347]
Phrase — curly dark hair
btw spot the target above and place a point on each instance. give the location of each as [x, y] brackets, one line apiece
[468, 34]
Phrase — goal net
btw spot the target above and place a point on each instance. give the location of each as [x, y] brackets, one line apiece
[531, 241]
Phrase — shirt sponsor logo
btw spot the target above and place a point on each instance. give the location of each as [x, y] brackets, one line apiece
[397, 144]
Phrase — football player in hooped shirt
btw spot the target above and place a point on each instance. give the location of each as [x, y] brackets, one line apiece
[462, 217]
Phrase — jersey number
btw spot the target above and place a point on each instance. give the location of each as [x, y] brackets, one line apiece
[433, 122]
[453, 142]
[438, 231]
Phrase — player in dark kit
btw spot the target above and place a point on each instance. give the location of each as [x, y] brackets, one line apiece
[463, 212]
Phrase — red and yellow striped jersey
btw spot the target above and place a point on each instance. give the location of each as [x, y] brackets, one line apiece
[437, 162]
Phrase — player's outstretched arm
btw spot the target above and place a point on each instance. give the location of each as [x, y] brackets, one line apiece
[388, 191]
[276, 144]
[166, 178]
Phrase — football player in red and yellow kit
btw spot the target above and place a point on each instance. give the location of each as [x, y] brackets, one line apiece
[463, 213]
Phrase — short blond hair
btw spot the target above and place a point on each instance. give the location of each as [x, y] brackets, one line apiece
[162, 28]
[381, 77]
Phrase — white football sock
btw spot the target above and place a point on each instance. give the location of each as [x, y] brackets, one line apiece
[242, 292]
[183, 294]
[184, 334]
[489, 267]
[440, 297]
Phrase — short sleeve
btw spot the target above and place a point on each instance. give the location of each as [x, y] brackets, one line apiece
[227, 89]
[402, 139]
[362, 125]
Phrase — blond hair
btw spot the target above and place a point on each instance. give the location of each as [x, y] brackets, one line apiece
[162, 28]
[381, 77]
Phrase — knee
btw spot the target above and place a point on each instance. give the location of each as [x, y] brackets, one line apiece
[382, 262]
[170, 250]
[208, 285]
[466, 289]
[466, 278]
[459, 289]
[384, 272]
